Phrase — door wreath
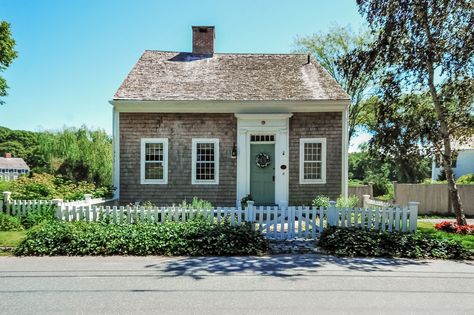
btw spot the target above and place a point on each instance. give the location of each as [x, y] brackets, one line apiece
[262, 160]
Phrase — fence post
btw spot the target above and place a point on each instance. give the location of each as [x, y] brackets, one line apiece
[413, 207]
[58, 203]
[7, 195]
[394, 185]
[365, 201]
[87, 198]
[332, 215]
[251, 210]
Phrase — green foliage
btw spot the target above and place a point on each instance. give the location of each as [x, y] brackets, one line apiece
[197, 203]
[466, 179]
[195, 238]
[349, 202]
[320, 201]
[9, 223]
[328, 49]
[7, 54]
[359, 242]
[46, 187]
[40, 214]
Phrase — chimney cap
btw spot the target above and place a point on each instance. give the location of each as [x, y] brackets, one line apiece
[7, 155]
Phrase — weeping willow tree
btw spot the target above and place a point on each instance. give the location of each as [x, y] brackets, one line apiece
[78, 154]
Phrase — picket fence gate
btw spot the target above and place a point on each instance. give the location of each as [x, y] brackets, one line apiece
[272, 221]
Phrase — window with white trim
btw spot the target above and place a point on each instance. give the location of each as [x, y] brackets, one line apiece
[313, 161]
[205, 161]
[154, 161]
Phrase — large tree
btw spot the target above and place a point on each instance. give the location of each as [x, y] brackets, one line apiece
[328, 48]
[422, 47]
[7, 54]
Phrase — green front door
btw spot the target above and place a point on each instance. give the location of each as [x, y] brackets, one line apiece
[262, 178]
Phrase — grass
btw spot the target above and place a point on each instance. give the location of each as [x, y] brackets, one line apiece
[11, 239]
[428, 228]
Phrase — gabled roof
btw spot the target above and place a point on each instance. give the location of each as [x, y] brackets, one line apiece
[13, 163]
[177, 76]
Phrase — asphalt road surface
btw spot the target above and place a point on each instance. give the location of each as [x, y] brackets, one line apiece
[307, 284]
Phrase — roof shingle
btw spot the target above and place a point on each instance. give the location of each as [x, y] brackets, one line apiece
[176, 76]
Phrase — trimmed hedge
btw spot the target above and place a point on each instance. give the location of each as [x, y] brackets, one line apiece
[194, 238]
[359, 242]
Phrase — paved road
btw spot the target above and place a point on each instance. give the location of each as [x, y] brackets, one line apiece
[307, 284]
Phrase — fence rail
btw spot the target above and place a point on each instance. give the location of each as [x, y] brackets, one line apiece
[272, 221]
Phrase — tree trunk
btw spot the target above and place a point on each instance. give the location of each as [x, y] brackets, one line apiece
[444, 130]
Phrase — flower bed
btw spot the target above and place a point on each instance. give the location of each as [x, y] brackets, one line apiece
[453, 227]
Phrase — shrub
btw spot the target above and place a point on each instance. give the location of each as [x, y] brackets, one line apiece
[47, 186]
[453, 227]
[359, 242]
[349, 202]
[197, 203]
[320, 201]
[466, 179]
[194, 238]
[34, 217]
[9, 223]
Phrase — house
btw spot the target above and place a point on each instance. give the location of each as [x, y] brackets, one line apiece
[220, 126]
[11, 168]
[463, 160]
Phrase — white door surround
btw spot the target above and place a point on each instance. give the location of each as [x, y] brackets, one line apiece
[270, 124]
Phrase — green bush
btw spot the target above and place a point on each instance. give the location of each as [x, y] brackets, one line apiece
[349, 202]
[9, 223]
[359, 242]
[47, 186]
[34, 217]
[197, 203]
[194, 238]
[466, 179]
[320, 201]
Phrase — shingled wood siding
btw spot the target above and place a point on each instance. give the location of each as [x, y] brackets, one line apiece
[316, 125]
[179, 129]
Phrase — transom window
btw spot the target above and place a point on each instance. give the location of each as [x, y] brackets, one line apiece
[205, 168]
[313, 161]
[154, 161]
[262, 138]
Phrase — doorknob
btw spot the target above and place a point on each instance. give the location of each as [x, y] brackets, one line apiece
[273, 177]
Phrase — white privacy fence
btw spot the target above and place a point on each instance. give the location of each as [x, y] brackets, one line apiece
[272, 221]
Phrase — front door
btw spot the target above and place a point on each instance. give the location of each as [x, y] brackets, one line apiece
[262, 173]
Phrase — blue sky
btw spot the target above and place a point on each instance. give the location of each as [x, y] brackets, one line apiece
[73, 54]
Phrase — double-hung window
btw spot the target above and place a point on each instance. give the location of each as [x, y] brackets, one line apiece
[313, 161]
[154, 161]
[205, 161]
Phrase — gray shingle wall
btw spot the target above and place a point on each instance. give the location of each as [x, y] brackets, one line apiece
[316, 125]
[179, 129]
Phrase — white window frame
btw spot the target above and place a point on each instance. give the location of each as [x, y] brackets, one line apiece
[143, 180]
[322, 180]
[215, 181]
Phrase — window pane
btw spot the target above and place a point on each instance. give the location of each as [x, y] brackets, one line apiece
[205, 171]
[153, 170]
[154, 152]
[205, 161]
[312, 170]
[312, 151]
[205, 152]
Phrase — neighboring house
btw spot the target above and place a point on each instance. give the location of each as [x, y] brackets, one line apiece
[220, 126]
[11, 168]
[463, 161]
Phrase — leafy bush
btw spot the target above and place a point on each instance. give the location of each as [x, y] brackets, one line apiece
[194, 238]
[466, 179]
[349, 202]
[197, 203]
[320, 201]
[47, 186]
[9, 223]
[453, 227]
[34, 217]
[359, 242]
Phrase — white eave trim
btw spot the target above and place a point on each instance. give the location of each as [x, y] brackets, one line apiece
[238, 107]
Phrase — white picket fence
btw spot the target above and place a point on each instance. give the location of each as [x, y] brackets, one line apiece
[272, 221]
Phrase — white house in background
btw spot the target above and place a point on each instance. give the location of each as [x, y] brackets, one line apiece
[463, 163]
[11, 168]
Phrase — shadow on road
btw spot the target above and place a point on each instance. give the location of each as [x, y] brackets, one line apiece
[277, 266]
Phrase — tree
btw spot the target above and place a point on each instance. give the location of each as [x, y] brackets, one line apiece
[422, 47]
[328, 49]
[7, 54]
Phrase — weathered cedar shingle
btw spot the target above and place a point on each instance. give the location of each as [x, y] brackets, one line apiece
[182, 76]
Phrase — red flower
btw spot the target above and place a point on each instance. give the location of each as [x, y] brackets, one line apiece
[453, 227]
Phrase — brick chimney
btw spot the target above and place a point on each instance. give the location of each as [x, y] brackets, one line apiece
[203, 40]
[7, 155]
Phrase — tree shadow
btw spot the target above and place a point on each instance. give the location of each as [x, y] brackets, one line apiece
[283, 266]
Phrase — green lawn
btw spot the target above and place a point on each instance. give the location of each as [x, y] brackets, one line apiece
[11, 239]
[428, 228]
